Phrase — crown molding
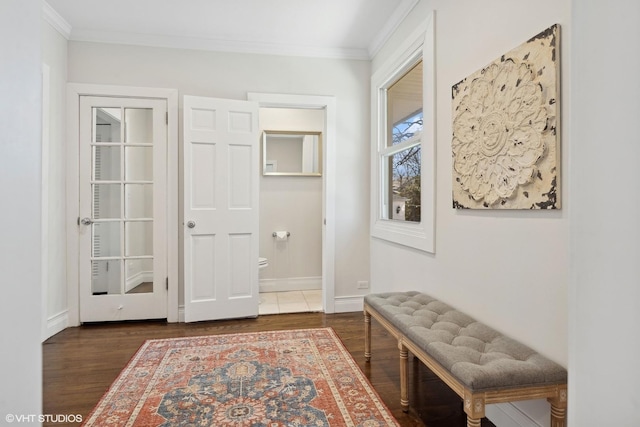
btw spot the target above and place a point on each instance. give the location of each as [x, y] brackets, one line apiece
[55, 20]
[201, 43]
[392, 24]
[232, 46]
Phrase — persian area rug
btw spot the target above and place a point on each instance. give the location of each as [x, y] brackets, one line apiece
[266, 379]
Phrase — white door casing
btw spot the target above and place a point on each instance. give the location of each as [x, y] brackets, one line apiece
[74, 92]
[221, 213]
[123, 195]
[329, 156]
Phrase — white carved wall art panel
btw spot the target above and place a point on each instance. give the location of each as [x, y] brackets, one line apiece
[505, 130]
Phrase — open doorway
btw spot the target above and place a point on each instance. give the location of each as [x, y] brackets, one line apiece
[291, 210]
[293, 259]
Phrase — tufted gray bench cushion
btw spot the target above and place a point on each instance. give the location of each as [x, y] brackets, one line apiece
[480, 364]
[477, 355]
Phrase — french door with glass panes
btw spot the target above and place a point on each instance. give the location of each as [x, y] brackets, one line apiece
[123, 206]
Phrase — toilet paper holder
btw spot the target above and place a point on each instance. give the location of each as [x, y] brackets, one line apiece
[275, 234]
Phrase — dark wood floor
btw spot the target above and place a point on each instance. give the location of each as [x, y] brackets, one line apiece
[80, 363]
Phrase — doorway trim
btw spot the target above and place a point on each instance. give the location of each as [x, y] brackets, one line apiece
[327, 103]
[74, 92]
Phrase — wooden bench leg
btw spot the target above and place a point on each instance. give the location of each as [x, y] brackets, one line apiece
[559, 408]
[404, 377]
[367, 336]
[474, 422]
[474, 408]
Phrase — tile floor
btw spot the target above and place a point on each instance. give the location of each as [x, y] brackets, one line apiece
[290, 302]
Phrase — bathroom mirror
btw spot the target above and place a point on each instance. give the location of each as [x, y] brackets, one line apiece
[287, 153]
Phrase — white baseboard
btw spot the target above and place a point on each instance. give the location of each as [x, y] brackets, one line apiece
[348, 304]
[291, 284]
[508, 415]
[138, 278]
[57, 323]
[342, 305]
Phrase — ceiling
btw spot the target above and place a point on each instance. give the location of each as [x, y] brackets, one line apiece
[323, 28]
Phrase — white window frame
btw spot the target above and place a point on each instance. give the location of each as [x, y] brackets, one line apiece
[419, 45]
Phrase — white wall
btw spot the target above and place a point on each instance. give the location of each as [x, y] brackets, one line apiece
[229, 75]
[20, 195]
[506, 268]
[604, 323]
[292, 204]
[54, 55]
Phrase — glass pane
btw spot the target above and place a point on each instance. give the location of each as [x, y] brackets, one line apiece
[106, 277]
[138, 238]
[139, 276]
[106, 201]
[405, 185]
[138, 163]
[107, 124]
[139, 125]
[404, 106]
[407, 128]
[138, 201]
[106, 163]
[106, 239]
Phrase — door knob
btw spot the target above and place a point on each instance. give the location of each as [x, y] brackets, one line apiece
[86, 221]
[191, 224]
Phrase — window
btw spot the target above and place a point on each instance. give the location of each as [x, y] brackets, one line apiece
[403, 154]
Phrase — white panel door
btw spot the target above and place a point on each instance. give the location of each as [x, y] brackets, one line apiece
[221, 194]
[123, 208]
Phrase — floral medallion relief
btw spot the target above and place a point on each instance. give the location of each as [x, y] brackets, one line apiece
[505, 139]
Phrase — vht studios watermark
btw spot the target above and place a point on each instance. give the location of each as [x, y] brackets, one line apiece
[43, 418]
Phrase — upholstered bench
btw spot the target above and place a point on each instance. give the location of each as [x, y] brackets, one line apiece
[480, 364]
